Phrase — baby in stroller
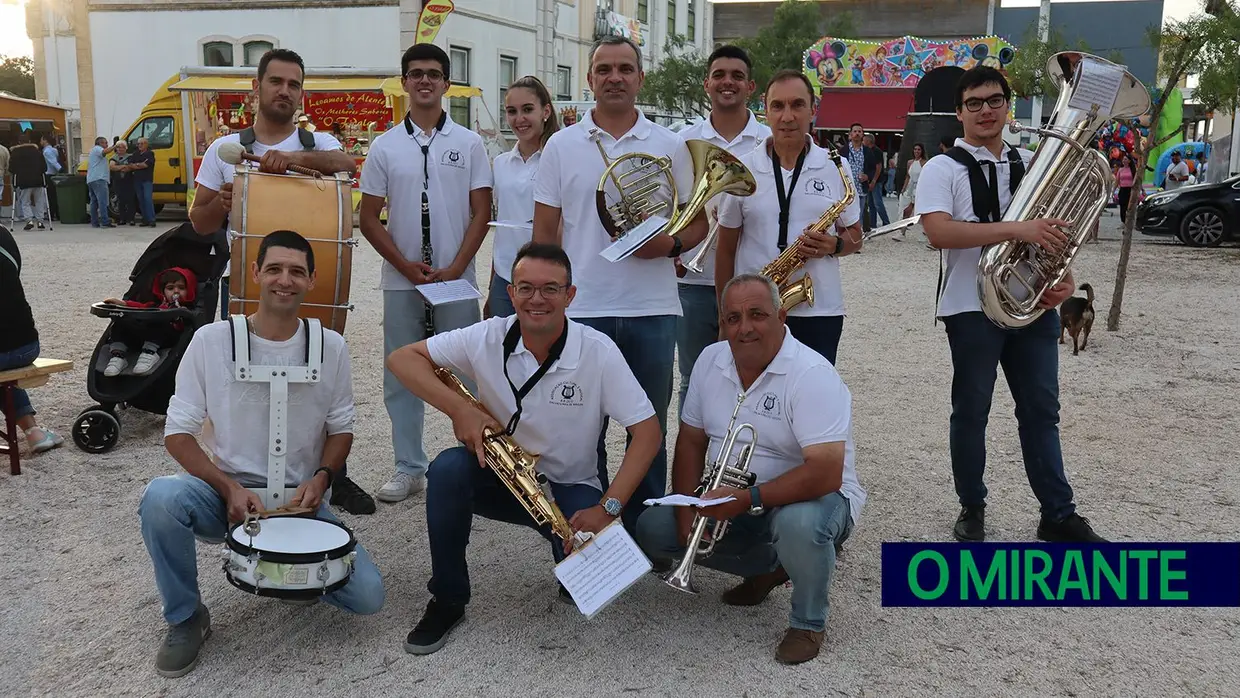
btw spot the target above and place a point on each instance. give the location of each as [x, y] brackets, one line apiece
[174, 287]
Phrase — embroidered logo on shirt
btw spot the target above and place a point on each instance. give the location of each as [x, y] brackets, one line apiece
[768, 406]
[453, 158]
[566, 393]
[816, 186]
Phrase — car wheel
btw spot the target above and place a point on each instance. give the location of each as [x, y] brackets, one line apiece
[1203, 227]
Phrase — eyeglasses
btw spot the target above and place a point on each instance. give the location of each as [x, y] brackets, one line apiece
[993, 101]
[417, 74]
[547, 291]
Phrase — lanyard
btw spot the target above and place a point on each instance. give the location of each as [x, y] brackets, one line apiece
[426, 149]
[510, 345]
[785, 198]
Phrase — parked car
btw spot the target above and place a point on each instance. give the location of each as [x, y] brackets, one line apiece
[1201, 215]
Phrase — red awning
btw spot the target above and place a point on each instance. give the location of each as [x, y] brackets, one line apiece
[878, 109]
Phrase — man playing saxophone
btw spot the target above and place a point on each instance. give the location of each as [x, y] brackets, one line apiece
[552, 380]
[806, 495]
[797, 183]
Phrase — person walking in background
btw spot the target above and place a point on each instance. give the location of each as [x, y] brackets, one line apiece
[1177, 173]
[97, 175]
[908, 191]
[142, 174]
[873, 186]
[52, 157]
[27, 165]
[1125, 175]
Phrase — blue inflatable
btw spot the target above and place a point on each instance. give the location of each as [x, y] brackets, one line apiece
[1188, 153]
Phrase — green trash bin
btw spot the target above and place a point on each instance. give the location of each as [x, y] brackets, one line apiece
[71, 198]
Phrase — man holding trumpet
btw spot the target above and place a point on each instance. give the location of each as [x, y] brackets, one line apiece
[805, 497]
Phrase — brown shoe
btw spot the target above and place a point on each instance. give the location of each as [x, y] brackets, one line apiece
[754, 590]
[799, 646]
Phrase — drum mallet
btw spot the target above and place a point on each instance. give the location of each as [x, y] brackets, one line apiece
[234, 153]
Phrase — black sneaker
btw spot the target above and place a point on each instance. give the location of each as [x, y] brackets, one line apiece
[432, 631]
[178, 655]
[971, 524]
[1073, 528]
[351, 497]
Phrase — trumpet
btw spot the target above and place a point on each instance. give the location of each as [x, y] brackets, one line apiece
[720, 475]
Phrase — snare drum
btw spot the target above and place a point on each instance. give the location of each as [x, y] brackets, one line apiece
[290, 557]
[320, 209]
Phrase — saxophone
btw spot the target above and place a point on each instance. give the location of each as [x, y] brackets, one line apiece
[780, 269]
[515, 468]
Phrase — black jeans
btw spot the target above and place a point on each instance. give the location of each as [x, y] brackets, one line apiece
[1125, 195]
[822, 334]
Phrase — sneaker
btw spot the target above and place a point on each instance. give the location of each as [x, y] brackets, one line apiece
[146, 361]
[46, 442]
[401, 486]
[115, 365]
[432, 631]
[41, 227]
[971, 524]
[29, 226]
[1073, 528]
[179, 654]
[799, 646]
[347, 495]
[754, 590]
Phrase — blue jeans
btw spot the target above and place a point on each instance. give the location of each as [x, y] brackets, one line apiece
[822, 334]
[648, 345]
[176, 509]
[146, 200]
[16, 358]
[98, 190]
[877, 208]
[697, 329]
[498, 302]
[403, 319]
[1030, 360]
[457, 490]
[801, 537]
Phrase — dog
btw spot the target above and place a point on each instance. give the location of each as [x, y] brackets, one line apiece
[1076, 315]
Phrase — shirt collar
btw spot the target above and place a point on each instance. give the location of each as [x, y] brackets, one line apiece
[982, 152]
[448, 124]
[781, 364]
[515, 155]
[570, 358]
[640, 130]
[752, 129]
[815, 159]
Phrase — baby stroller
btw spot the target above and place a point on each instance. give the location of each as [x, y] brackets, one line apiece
[97, 429]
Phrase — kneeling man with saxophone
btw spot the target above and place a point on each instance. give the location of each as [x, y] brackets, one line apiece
[776, 415]
[553, 380]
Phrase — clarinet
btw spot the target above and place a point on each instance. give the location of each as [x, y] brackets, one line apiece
[426, 259]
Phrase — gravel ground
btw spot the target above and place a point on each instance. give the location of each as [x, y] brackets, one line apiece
[1149, 437]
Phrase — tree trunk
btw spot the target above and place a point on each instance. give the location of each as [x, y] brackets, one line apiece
[1125, 247]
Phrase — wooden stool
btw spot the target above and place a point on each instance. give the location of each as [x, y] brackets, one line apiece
[25, 377]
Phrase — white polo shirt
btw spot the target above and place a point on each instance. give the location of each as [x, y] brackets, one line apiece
[818, 188]
[568, 178]
[798, 401]
[458, 165]
[562, 415]
[944, 187]
[753, 135]
[213, 173]
[514, 199]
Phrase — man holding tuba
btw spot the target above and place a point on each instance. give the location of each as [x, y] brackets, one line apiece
[633, 301]
[805, 213]
[805, 497]
[961, 197]
[553, 381]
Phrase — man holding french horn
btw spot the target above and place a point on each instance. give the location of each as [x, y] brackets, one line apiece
[763, 390]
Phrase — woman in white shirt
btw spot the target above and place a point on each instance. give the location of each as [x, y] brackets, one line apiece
[530, 115]
[909, 191]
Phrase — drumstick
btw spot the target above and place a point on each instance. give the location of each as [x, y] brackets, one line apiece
[282, 511]
[234, 153]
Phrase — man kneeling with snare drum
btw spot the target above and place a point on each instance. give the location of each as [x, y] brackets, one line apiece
[804, 497]
[304, 446]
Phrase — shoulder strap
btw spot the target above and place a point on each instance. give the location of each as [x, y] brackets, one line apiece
[1016, 168]
[248, 138]
[307, 139]
[983, 207]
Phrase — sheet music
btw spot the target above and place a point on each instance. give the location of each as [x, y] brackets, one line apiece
[510, 224]
[605, 568]
[443, 292]
[1098, 86]
[684, 500]
[634, 239]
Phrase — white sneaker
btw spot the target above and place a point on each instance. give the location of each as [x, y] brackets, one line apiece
[401, 486]
[115, 365]
[146, 361]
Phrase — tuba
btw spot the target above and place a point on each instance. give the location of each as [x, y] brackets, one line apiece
[721, 474]
[515, 468]
[780, 269]
[1067, 179]
[646, 189]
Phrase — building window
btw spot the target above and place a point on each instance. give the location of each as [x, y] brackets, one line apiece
[671, 17]
[691, 27]
[643, 11]
[254, 51]
[217, 53]
[459, 107]
[507, 76]
[564, 83]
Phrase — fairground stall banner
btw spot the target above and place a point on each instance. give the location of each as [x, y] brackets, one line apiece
[434, 14]
[833, 62]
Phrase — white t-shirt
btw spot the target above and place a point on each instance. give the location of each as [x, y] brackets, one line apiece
[1180, 169]
[944, 186]
[234, 418]
[562, 415]
[568, 178]
[753, 135]
[514, 199]
[458, 165]
[798, 401]
[818, 188]
[213, 173]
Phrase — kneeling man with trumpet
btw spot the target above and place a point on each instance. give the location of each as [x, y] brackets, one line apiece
[778, 416]
[554, 380]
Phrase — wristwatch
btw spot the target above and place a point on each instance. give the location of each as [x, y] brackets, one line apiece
[612, 506]
[755, 501]
[839, 246]
[677, 246]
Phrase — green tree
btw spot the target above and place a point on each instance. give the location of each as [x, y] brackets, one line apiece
[675, 85]
[1027, 71]
[17, 75]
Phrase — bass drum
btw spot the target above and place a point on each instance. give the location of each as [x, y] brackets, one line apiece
[320, 210]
